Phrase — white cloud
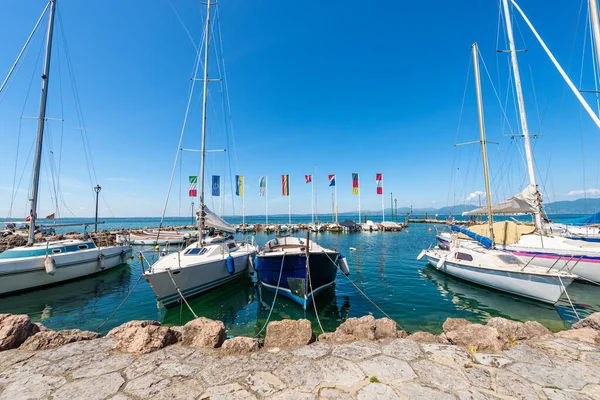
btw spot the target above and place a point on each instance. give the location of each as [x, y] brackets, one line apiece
[592, 192]
[475, 195]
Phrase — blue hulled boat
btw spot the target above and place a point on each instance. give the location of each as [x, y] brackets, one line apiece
[287, 256]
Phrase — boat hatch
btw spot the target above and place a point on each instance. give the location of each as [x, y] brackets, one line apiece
[509, 259]
[464, 256]
[196, 251]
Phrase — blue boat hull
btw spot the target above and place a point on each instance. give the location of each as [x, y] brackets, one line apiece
[295, 282]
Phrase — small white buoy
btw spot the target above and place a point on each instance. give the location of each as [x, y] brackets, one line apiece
[421, 255]
[343, 264]
[50, 265]
[352, 248]
[101, 258]
[441, 263]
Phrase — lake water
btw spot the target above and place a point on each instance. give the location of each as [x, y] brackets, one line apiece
[384, 266]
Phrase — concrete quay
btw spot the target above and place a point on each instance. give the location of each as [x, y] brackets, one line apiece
[548, 367]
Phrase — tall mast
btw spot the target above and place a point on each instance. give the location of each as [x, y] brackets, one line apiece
[522, 114]
[204, 97]
[488, 194]
[316, 199]
[41, 122]
[596, 31]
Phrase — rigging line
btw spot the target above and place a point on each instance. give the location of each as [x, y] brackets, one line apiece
[594, 67]
[189, 35]
[106, 204]
[462, 106]
[79, 111]
[185, 118]
[23, 50]
[495, 92]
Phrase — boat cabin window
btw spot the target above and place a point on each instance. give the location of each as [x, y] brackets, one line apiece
[464, 257]
[196, 251]
[56, 251]
[82, 246]
[509, 259]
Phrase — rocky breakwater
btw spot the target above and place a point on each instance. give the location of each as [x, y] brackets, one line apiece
[101, 238]
[365, 358]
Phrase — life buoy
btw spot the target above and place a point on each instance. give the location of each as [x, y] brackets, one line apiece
[343, 264]
[230, 265]
[50, 265]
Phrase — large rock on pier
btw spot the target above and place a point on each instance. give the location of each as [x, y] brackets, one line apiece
[477, 337]
[593, 321]
[240, 345]
[426, 337]
[203, 332]
[14, 330]
[289, 333]
[50, 339]
[587, 335]
[366, 327]
[513, 330]
[11, 241]
[140, 337]
[453, 324]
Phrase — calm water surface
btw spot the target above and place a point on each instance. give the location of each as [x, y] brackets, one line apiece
[384, 266]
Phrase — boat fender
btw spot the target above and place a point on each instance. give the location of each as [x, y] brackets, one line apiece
[157, 248]
[441, 263]
[343, 264]
[421, 255]
[251, 265]
[101, 258]
[230, 265]
[123, 257]
[50, 265]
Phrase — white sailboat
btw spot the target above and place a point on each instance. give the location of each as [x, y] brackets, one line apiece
[484, 265]
[213, 260]
[49, 263]
[539, 247]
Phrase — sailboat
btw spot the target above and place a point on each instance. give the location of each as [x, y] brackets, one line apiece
[52, 262]
[481, 263]
[215, 259]
[535, 245]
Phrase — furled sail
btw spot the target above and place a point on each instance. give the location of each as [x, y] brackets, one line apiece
[483, 240]
[525, 202]
[212, 220]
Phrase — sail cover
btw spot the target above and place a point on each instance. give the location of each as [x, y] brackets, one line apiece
[484, 241]
[594, 219]
[524, 202]
[212, 220]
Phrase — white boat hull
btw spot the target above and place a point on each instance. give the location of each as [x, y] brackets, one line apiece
[29, 272]
[547, 289]
[195, 279]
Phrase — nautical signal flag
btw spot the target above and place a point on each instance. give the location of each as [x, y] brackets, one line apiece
[239, 188]
[354, 183]
[262, 184]
[285, 185]
[193, 186]
[308, 178]
[51, 216]
[332, 180]
[216, 185]
[379, 181]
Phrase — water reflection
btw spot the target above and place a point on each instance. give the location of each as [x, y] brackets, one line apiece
[78, 300]
[485, 303]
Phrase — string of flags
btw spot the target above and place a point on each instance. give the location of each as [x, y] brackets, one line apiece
[285, 184]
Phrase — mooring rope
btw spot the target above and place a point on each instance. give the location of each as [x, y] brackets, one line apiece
[274, 299]
[181, 294]
[367, 297]
[311, 289]
[568, 298]
[123, 302]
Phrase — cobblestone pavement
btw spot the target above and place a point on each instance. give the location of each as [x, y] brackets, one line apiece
[537, 369]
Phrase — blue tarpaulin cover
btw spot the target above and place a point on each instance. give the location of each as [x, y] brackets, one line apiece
[483, 240]
[594, 219]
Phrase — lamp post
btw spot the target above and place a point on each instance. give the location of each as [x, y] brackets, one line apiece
[97, 189]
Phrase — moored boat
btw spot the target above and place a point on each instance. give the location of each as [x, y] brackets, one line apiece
[297, 269]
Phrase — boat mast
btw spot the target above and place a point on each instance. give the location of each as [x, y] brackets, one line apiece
[488, 194]
[40, 131]
[203, 151]
[593, 4]
[522, 115]
[316, 201]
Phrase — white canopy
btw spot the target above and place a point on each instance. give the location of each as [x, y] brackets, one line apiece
[525, 202]
[212, 220]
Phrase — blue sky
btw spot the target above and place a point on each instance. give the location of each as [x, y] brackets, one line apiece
[343, 86]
